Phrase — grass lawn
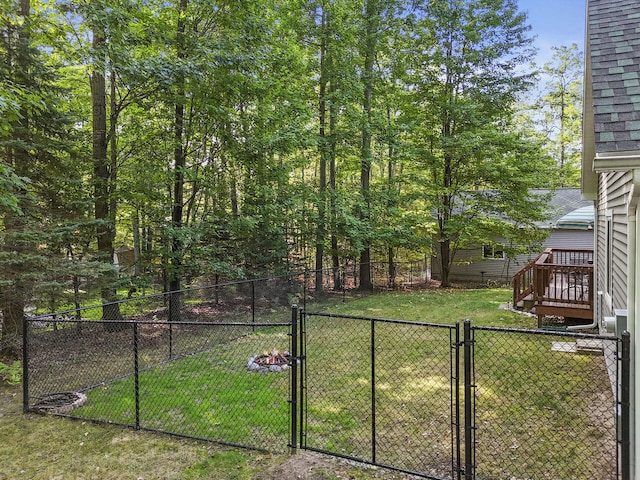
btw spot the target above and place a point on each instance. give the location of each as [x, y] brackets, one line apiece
[529, 399]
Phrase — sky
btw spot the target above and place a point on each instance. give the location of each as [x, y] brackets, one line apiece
[555, 23]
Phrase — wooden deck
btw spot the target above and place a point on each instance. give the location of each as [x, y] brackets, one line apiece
[558, 283]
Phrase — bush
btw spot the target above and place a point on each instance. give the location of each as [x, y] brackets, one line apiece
[11, 373]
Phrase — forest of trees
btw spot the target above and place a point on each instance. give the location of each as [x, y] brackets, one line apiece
[232, 138]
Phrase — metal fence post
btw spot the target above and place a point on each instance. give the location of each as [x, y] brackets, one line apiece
[343, 272]
[373, 391]
[136, 371]
[170, 340]
[304, 289]
[293, 389]
[253, 303]
[469, 446]
[625, 406]
[302, 334]
[456, 464]
[25, 364]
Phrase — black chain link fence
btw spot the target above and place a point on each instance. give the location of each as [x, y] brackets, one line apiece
[381, 391]
[545, 405]
[248, 300]
[534, 405]
[188, 378]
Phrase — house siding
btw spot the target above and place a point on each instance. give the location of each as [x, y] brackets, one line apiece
[613, 191]
[469, 265]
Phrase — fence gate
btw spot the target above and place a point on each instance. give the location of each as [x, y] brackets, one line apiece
[383, 392]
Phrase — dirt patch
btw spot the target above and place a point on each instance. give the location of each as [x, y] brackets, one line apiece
[314, 466]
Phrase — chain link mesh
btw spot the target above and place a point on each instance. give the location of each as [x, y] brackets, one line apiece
[184, 378]
[381, 392]
[545, 406]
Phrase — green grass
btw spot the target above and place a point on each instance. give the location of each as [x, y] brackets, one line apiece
[439, 306]
[534, 405]
[530, 400]
[209, 395]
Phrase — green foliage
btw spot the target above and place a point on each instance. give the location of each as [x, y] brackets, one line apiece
[11, 373]
[561, 106]
[416, 97]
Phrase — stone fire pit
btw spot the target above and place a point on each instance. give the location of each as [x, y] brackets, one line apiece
[274, 361]
[59, 403]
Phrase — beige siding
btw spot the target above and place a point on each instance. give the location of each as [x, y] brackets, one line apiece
[613, 190]
[572, 239]
[470, 266]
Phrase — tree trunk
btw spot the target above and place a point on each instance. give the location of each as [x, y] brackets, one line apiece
[179, 166]
[333, 119]
[371, 14]
[321, 230]
[391, 202]
[102, 177]
[137, 257]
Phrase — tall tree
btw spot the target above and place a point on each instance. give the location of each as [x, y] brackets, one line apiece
[104, 169]
[561, 107]
[323, 140]
[372, 20]
[179, 163]
[19, 63]
[468, 86]
[35, 166]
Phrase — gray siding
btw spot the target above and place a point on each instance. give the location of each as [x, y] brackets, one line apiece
[573, 239]
[613, 190]
[471, 267]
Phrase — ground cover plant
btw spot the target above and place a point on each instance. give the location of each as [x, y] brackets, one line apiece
[206, 393]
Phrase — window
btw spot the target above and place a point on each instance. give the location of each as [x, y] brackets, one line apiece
[492, 251]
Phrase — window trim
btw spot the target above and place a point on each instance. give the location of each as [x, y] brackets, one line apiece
[493, 252]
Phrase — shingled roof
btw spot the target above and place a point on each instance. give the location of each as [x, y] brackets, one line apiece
[614, 40]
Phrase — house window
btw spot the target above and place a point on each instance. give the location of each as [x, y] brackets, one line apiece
[492, 251]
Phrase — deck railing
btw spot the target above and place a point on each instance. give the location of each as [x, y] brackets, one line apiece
[564, 276]
[558, 278]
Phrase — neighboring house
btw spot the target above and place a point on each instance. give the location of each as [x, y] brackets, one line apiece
[611, 171]
[571, 224]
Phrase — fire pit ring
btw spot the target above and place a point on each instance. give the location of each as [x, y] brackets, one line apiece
[59, 403]
[274, 361]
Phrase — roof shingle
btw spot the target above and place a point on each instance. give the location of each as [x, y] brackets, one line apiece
[614, 37]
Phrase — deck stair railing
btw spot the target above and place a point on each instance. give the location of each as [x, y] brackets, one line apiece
[523, 284]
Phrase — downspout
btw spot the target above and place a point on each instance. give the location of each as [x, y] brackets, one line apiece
[588, 326]
[633, 273]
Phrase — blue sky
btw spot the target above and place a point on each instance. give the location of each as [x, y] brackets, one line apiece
[555, 23]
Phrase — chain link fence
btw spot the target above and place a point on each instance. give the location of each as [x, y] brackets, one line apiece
[253, 300]
[193, 379]
[420, 398]
[494, 404]
[545, 405]
[381, 391]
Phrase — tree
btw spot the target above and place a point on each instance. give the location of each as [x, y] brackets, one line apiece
[467, 87]
[561, 107]
[37, 167]
[372, 21]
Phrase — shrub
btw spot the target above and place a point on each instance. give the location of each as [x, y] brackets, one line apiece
[11, 373]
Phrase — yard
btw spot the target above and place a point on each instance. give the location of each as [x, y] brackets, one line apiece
[414, 400]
